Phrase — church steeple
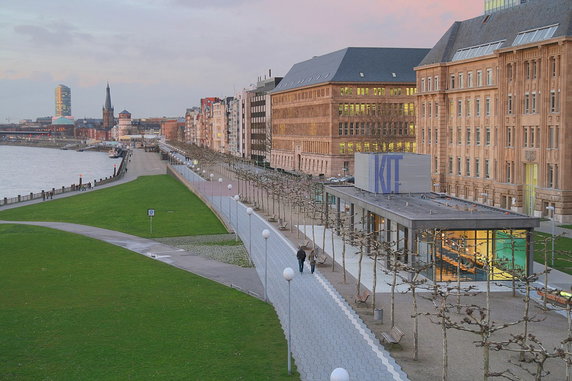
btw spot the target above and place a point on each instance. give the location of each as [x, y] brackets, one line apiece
[107, 98]
[108, 118]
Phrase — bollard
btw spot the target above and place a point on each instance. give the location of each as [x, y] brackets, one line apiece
[19, 198]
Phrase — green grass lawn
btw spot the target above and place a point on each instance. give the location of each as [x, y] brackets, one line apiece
[562, 251]
[178, 212]
[74, 308]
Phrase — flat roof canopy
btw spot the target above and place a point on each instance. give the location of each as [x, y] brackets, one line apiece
[419, 211]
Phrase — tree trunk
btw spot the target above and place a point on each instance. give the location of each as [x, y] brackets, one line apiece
[359, 272]
[415, 326]
[374, 281]
[393, 284]
[445, 353]
[343, 252]
[333, 254]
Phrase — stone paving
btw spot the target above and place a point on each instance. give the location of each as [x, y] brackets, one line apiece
[326, 332]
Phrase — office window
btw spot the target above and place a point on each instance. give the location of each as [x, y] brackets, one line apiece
[450, 135]
[458, 166]
[422, 136]
[436, 83]
[435, 166]
[450, 165]
[487, 106]
[478, 136]
[533, 103]
[477, 106]
[509, 72]
[552, 176]
[423, 84]
[461, 80]
[467, 167]
[451, 108]
[525, 137]
[468, 136]
[340, 128]
[459, 107]
[436, 140]
[487, 169]
[477, 168]
[429, 136]
[526, 103]
[526, 70]
[468, 107]
[509, 136]
[429, 109]
[553, 132]
[553, 66]
[452, 83]
[488, 136]
[470, 79]
[532, 137]
[423, 113]
[429, 84]
[459, 137]
[534, 69]
[489, 77]
[509, 104]
[479, 78]
[508, 172]
[553, 101]
[436, 110]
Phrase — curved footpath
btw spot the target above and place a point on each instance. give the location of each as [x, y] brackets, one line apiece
[326, 332]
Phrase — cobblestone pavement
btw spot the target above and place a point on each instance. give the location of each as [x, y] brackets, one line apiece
[326, 332]
[221, 247]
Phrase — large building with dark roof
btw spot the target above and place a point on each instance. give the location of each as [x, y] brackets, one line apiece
[350, 100]
[494, 108]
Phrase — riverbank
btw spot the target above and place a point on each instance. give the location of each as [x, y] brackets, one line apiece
[42, 172]
[42, 143]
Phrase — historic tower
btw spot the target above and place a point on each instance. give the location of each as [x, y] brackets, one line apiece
[108, 119]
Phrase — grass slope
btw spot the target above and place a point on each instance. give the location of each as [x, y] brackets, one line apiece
[178, 212]
[562, 251]
[74, 308]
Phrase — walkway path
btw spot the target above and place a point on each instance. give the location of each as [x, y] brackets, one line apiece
[326, 332]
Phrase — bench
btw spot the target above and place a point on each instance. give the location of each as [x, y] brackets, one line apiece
[393, 336]
[282, 225]
[362, 298]
[272, 219]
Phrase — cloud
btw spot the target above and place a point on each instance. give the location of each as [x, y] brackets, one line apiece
[54, 35]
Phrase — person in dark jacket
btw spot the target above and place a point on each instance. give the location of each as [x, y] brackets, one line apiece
[301, 255]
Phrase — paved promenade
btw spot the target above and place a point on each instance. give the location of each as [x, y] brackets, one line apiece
[326, 332]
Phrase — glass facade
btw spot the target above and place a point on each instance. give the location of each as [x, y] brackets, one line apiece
[466, 253]
[496, 5]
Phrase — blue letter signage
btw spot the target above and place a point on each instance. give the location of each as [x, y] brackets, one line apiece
[387, 176]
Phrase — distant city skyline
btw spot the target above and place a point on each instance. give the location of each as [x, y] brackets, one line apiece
[161, 56]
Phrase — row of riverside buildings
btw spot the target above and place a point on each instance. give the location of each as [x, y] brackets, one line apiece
[491, 103]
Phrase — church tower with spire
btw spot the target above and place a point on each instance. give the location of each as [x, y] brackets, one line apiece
[108, 118]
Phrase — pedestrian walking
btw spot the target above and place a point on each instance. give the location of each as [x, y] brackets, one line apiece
[301, 255]
[312, 259]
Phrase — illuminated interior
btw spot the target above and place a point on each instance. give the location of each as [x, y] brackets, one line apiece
[466, 254]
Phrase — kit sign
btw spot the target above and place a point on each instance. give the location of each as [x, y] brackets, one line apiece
[395, 172]
[387, 173]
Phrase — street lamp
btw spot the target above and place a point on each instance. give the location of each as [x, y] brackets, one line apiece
[340, 374]
[236, 198]
[551, 208]
[220, 199]
[265, 235]
[288, 274]
[249, 212]
[229, 187]
[212, 188]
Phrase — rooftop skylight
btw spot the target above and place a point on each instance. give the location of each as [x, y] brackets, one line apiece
[477, 51]
[534, 35]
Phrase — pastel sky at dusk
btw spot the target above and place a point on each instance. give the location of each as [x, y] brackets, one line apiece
[161, 56]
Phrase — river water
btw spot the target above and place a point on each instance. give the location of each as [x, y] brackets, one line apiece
[32, 169]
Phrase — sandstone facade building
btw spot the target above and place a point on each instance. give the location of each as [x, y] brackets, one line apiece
[352, 100]
[495, 107]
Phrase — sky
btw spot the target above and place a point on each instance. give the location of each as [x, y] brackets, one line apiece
[161, 57]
